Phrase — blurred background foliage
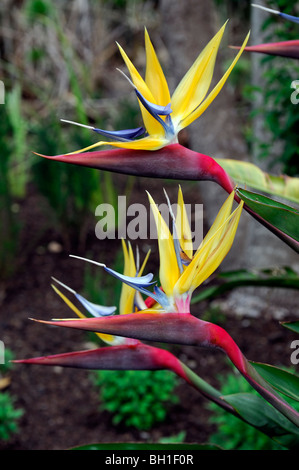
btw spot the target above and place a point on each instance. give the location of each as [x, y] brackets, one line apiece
[279, 146]
[53, 65]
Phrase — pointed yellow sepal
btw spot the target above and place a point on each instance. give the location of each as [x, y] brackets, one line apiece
[106, 338]
[145, 143]
[195, 84]
[126, 304]
[199, 110]
[183, 227]
[152, 126]
[212, 250]
[127, 297]
[169, 271]
[154, 75]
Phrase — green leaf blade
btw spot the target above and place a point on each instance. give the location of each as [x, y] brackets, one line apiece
[285, 382]
[291, 325]
[246, 173]
[146, 446]
[255, 411]
[281, 216]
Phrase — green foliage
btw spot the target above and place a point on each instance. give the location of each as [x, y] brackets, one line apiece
[292, 325]
[36, 8]
[281, 216]
[19, 173]
[9, 226]
[212, 314]
[280, 116]
[284, 381]
[7, 365]
[176, 439]
[148, 446]
[136, 399]
[71, 191]
[233, 433]
[282, 277]
[8, 416]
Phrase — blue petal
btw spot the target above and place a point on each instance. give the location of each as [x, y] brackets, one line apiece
[137, 283]
[94, 309]
[126, 134]
[295, 19]
[156, 111]
[161, 297]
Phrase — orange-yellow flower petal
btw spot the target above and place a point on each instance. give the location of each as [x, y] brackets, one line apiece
[169, 270]
[211, 252]
[183, 227]
[153, 127]
[195, 84]
[154, 76]
[198, 111]
[146, 143]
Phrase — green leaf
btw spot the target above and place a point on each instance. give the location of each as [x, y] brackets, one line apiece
[281, 216]
[145, 446]
[256, 411]
[285, 382]
[249, 174]
[291, 325]
[284, 277]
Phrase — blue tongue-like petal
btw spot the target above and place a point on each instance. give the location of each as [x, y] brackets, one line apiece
[126, 134]
[139, 283]
[94, 309]
[295, 19]
[154, 109]
[161, 297]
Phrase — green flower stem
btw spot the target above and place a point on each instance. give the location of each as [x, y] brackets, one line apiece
[222, 340]
[207, 390]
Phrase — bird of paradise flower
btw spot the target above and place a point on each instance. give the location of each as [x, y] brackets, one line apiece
[164, 115]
